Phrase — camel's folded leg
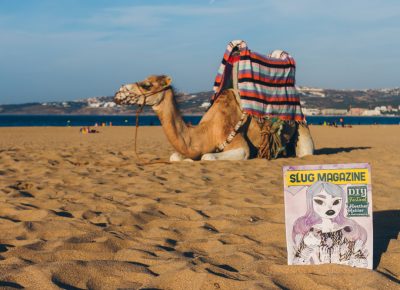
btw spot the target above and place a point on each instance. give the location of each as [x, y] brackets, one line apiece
[238, 149]
[233, 154]
[305, 144]
[178, 157]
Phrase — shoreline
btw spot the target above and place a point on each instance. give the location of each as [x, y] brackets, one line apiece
[152, 120]
[186, 115]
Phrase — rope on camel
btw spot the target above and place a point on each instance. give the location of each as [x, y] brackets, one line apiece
[233, 133]
[138, 111]
[271, 143]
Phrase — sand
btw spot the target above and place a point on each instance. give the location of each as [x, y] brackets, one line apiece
[76, 212]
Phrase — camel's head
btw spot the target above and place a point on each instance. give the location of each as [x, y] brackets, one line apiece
[149, 92]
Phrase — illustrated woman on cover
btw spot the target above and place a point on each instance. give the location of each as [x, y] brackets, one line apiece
[324, 234]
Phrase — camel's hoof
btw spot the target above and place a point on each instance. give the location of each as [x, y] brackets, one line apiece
[208, 156]
[176, 157]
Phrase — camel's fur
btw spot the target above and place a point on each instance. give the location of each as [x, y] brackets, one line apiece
[200, 142]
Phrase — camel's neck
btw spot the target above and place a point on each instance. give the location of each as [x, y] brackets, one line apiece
[194, 141]
[171, 120]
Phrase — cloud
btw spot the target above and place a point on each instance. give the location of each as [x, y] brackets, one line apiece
[148, 16]
[346, 10]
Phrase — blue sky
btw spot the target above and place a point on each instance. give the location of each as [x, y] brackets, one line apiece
[72, 49]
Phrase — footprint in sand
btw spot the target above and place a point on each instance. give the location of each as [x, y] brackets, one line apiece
[21, 185]
[22, 193]
[210, 228]
[63, 213]
[10, 285]
[4, 247]
[96, 218]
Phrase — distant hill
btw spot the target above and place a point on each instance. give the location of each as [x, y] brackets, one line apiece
[197, 103]
[343, 99]
[189, 104]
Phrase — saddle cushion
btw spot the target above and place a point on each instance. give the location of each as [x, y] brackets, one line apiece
[266, 84]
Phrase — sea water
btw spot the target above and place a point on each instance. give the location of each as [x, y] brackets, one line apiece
[91, 120]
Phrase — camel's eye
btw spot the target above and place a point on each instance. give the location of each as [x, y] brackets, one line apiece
[318, 201]
[336, 202]
[164, 83]
[146, 86]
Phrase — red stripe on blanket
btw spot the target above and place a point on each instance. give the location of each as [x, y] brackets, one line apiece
[286, 61]
[287, 117]
[257, 96]
[256, 77]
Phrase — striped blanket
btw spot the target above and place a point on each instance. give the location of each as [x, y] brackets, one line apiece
[266, 84]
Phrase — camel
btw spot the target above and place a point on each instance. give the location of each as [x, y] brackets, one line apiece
[201, 142]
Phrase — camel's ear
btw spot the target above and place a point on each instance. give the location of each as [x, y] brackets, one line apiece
[166, 81]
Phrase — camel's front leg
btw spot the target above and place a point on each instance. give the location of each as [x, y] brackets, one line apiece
[305, 144]
[238, 149]
[234, 154]
[178, 157]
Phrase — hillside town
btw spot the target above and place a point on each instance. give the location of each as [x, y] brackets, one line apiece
[377, 111]
[382, 102]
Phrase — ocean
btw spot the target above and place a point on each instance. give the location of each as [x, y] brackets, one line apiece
[91, 120]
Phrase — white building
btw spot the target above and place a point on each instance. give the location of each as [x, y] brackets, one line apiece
[371, 113]
[311, 112]
[334, 112]
[205, 105]
[383, 108]
[109, 104]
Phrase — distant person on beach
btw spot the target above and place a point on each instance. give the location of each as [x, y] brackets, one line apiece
[342, 122]
[87, 130]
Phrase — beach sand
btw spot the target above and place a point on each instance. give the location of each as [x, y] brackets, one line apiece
[76, 212]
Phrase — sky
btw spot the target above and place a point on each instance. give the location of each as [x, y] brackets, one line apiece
[52, 50]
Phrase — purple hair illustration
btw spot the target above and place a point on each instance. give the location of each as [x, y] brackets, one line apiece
[326, 202]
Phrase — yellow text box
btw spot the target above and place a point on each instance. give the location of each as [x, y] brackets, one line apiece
[337, 176]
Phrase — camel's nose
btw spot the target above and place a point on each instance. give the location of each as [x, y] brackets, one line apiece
[118, 98]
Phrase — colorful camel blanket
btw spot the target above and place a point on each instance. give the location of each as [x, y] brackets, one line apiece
[266, 84]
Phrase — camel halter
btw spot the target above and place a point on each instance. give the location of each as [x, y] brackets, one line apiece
[138, 111]
[145, 95]
[233, 133]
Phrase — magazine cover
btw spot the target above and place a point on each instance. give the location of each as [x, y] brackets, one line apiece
[328, 214]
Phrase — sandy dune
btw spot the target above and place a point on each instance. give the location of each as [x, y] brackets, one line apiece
[76, 212]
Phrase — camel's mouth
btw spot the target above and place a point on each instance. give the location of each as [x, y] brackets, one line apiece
[125, 96]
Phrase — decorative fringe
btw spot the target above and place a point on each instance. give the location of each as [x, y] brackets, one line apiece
[276, 134]
[233, 133]
[271, 144]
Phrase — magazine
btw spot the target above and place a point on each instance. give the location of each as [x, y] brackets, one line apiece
[328, 214]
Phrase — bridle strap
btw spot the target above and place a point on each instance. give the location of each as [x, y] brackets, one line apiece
[145, 95]
[220, 147]
[138, 111]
